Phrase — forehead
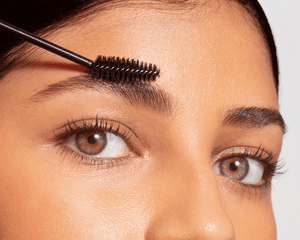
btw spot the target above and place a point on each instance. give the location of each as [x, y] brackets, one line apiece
[210, 50]
[209, 42]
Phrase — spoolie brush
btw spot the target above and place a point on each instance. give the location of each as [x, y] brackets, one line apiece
[107, 68]
[117, 69]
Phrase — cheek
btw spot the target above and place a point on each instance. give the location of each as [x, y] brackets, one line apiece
[260, 223]
[252, 217]
[29, 195]
[39, 198]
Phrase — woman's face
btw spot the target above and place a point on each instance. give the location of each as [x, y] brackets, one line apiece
[183, 159]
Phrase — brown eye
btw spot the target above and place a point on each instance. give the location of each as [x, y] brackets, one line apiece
[242, 169]
[91, 143]
[235, 168]
[102, 145]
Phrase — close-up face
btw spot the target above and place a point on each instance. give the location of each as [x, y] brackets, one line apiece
[190, 155]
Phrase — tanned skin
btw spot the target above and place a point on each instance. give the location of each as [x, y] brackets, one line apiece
[165, 187]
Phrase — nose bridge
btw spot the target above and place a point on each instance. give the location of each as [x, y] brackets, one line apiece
[190, 207]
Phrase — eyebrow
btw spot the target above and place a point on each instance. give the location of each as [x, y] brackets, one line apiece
[154, 98]
[253, 117]
[136, 94]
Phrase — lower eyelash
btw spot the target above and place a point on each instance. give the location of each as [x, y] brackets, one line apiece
[257, 190]
[90, 161]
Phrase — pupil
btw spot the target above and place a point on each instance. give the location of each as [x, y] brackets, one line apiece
[233, 166]
[93, 139]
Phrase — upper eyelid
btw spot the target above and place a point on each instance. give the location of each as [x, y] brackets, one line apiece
[86, 122]
[241, 150]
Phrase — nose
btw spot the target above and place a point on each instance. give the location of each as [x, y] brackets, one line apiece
[189, 207]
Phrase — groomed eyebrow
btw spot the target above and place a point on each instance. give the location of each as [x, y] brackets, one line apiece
[136, 94]
[253, 117]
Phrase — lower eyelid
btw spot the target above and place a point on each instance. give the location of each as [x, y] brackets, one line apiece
[244, 189]
[90, 161]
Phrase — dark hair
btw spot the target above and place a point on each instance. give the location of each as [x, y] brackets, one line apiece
[40, 16]
[257, 13]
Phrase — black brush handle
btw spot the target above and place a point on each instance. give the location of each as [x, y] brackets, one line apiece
[29, 37]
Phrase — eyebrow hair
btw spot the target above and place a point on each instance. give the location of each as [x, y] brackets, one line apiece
[155, 98]
[136, 94]
[254, 117]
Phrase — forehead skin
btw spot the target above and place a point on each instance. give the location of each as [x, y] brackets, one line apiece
[211, 59]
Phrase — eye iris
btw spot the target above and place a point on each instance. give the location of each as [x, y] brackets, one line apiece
[235, 168]
[91, 143]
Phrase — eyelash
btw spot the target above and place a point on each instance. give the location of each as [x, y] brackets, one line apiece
[101, 125]
[271, 168]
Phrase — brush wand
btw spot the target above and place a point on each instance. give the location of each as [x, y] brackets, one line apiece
[106, 68]
[29, 37]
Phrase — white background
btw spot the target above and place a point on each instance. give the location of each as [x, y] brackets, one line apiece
[284, 18]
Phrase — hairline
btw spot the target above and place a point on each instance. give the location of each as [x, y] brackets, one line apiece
[18, 54]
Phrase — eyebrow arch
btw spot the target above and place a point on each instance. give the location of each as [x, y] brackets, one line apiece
[254, 117]
[136, 94]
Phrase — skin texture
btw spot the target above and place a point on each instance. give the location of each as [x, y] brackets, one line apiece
[212, 59]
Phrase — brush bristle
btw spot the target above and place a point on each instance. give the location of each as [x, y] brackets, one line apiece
[123, 70]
